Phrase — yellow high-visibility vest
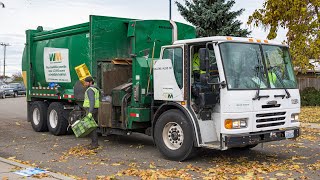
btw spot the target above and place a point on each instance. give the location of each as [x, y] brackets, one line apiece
[196, 63]
[86, 102]
[272, 77]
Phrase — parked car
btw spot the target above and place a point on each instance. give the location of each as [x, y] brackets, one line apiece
[6, 91]
[18, 89]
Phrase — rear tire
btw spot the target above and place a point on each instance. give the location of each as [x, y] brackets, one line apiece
[173, 134]
[57, 123]
[39, 116]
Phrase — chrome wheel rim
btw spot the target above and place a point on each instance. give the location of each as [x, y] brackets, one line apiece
[172, 135]
[36, 116]
[53, 118]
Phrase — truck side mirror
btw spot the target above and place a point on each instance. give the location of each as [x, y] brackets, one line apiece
[203, 55]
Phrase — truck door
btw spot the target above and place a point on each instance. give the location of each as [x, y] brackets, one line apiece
[169, 74]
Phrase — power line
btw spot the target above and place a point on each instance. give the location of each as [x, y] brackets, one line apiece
[4, 57]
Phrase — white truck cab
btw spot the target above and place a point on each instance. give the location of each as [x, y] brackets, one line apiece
[239, 92]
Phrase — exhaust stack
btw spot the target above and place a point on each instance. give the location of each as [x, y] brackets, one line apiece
[174, 31]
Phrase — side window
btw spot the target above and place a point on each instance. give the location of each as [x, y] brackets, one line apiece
[176, 56]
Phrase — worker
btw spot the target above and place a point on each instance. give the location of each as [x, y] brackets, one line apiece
[91, 104]
[196, 67]
[272, 78]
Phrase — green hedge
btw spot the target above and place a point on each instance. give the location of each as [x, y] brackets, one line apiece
[310, 97]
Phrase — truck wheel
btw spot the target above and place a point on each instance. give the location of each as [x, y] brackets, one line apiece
[39, 116]
[173, 135]
[57, 123]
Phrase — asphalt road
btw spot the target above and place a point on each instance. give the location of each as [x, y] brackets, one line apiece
[136, 155]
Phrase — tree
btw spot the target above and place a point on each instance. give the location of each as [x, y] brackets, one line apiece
[17, 77]
[300, 18]
[213, 17]
[4, 77]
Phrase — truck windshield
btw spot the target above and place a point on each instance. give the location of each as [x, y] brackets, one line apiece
[244, 67]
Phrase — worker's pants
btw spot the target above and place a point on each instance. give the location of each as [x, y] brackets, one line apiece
[94, 134]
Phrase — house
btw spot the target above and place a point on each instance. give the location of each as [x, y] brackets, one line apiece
[312, 76]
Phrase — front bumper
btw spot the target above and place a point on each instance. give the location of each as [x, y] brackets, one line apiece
[231, 141]
[9, 93]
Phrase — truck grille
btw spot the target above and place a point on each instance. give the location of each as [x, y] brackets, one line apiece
[270, 119]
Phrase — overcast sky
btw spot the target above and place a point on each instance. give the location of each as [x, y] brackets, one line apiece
[20, 15]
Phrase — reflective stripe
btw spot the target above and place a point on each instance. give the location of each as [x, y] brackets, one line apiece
[202, 72]
[86, 102]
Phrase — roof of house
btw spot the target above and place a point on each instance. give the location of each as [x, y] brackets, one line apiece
[316, 65]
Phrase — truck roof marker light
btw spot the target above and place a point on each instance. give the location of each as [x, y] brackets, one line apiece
[266, 41]
[250, 40]
[258, 40]
[228, 124]
[229, 38]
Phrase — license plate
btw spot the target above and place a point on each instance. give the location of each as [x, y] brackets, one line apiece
[289, 134]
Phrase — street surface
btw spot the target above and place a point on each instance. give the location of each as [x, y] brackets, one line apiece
[136, 157]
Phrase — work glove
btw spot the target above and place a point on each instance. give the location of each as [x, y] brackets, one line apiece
[89, 115]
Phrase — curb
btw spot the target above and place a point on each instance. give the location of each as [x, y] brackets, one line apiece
[55, 175]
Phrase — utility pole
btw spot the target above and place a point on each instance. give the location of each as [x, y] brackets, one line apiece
[4, 57]
[169, 9]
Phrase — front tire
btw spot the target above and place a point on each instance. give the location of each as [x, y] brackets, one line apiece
[57, 123]
[173, 134]
[39, 116]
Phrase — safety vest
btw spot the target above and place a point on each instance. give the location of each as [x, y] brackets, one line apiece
[196, 63]
[272, 77]
[86, 102]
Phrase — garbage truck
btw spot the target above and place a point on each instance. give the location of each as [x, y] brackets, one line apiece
[157, 78]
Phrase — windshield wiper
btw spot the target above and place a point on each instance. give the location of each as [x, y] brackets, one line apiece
[272, 68]
[258, 75]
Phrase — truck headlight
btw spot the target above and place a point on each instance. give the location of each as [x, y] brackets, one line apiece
[295, 117]
[235, 123]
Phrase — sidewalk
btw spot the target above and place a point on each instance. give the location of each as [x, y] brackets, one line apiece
[7, 169]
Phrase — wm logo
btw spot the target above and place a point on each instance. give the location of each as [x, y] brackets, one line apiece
[55, 57]
[168, 95]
